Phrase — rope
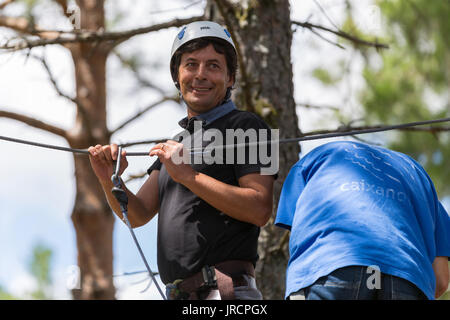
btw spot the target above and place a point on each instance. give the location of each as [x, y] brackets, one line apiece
[122, 198]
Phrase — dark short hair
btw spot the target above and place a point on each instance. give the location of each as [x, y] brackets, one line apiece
[219, 45]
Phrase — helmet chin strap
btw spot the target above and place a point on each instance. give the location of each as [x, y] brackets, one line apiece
[227, 95]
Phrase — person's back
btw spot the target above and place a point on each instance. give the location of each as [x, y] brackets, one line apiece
[350, 204]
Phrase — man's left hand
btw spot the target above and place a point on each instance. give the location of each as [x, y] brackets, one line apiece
[175, 158]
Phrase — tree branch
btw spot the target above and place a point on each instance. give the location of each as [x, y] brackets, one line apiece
[53, 80]
[325, 14]
[313, 106]
[34, 123]
[142, 81]
[140, 113]
[327, 40]
[5, 3]
[342, 34]
[24, 26]
[78, 36]
[64, 7]
[77, 102]
[80, 107]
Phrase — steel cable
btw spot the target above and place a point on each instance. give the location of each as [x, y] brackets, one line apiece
[280, 141]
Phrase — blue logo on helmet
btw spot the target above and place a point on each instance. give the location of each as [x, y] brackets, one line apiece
[227, 33]
[181, 34]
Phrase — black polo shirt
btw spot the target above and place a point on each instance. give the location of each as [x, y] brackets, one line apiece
[192, 233]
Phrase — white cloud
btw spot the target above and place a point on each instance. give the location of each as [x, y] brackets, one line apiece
[21, 284]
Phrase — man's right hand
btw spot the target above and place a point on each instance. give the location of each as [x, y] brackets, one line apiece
[143, 206]
[102, 157]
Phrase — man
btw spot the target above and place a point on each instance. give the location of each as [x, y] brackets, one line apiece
[365, 223]
[209, 214]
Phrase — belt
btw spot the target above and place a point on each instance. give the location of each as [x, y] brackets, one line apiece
[224, 276]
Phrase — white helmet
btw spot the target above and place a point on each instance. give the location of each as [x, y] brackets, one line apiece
[199, 29]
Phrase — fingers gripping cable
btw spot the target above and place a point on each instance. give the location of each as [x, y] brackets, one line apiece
[122, 198]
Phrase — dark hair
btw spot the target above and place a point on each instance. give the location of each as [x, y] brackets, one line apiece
[221, 46]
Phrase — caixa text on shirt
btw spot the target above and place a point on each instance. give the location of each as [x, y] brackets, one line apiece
[234, 146]
[363, 186]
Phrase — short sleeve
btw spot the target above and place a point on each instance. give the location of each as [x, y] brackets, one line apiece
[442, 232]
[292, 188]
[155, 166]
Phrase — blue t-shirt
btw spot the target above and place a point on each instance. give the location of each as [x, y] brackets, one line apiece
[347, 203]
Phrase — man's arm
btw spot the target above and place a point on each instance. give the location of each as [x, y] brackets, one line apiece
[143, 206]
[250, 202]
[441, 271]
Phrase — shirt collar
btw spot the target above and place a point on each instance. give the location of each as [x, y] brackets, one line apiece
[209, 116]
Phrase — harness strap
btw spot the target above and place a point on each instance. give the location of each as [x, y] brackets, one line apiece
[224, 275]
[225, 286]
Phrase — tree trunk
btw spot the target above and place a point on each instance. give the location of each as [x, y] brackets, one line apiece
[91, 216]
[262, 33]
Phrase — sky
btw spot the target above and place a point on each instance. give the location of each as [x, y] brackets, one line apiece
[37, 186]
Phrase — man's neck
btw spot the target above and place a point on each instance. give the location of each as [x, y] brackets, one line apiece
[191, 113]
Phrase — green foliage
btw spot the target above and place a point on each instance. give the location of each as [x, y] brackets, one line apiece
[6, 296]
[40, 269]
[445, 296]
[29, 5]
[325, 76]
[413, 82]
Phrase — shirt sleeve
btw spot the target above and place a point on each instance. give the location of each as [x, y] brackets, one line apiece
[155, 166]
[292, 188]
[442, 232]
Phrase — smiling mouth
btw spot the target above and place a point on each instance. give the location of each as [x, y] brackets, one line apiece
[201, 89]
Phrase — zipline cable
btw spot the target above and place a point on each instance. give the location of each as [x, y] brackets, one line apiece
[281, 141]
[43, 145]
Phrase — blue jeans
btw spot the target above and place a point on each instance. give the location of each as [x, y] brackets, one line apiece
[359, 283]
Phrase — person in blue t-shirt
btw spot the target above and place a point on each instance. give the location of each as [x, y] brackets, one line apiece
[365, 223]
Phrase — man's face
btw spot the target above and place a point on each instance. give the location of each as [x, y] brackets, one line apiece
[203, 78]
